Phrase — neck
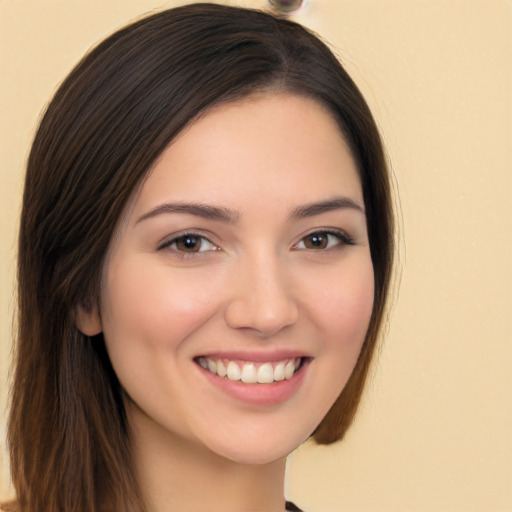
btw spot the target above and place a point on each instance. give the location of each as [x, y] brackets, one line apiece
[177, 474]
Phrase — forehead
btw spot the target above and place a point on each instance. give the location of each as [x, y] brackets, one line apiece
[268, 147]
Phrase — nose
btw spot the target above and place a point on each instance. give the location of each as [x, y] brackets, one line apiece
[262, 297]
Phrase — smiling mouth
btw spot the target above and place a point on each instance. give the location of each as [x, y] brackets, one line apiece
[250, 372]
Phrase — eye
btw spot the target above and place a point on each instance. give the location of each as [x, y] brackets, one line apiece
[190, 243]
[319, 240]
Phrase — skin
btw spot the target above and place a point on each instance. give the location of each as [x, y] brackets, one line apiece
[256, 283]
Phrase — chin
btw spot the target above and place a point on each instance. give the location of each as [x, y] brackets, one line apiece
[258, 450]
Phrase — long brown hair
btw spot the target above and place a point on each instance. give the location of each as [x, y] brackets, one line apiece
[107, 124]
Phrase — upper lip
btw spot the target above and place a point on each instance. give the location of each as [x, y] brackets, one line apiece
[255, 355]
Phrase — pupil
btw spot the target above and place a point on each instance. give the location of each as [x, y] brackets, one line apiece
[189, 243]
[317, 240]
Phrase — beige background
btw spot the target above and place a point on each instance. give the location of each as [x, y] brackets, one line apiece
[435, 433]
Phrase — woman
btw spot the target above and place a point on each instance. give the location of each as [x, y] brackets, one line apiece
[204, 258]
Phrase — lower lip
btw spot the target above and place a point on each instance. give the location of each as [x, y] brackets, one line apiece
[258, 394]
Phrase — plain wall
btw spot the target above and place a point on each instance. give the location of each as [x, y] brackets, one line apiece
[435, 430]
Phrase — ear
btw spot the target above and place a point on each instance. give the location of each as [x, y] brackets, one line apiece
[88, 320]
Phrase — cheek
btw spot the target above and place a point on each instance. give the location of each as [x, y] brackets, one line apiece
[340, 312]
[350, 312]
[153, 306]
[345, 307]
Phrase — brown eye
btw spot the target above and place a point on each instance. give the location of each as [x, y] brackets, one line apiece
[188, 243]
[316, 241]
[324, 240]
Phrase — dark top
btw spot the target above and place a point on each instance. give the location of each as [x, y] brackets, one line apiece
[290, 507]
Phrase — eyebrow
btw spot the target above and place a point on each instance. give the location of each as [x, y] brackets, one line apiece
[317, 208]
[199, 210]
[228, 216]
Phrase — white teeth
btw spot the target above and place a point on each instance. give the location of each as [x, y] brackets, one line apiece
[265, 374]
[212, 365]
[251, 373]
[221, 369]
[289, 370]
[233, 371]
[279, 372]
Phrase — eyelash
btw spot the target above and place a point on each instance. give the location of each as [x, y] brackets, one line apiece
[342, 240]
[341, 236]
[182, 236]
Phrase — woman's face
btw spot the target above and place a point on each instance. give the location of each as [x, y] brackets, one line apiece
[246, 253]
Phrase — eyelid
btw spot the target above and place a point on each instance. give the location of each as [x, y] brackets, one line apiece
[166, 242]
[343, 237]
